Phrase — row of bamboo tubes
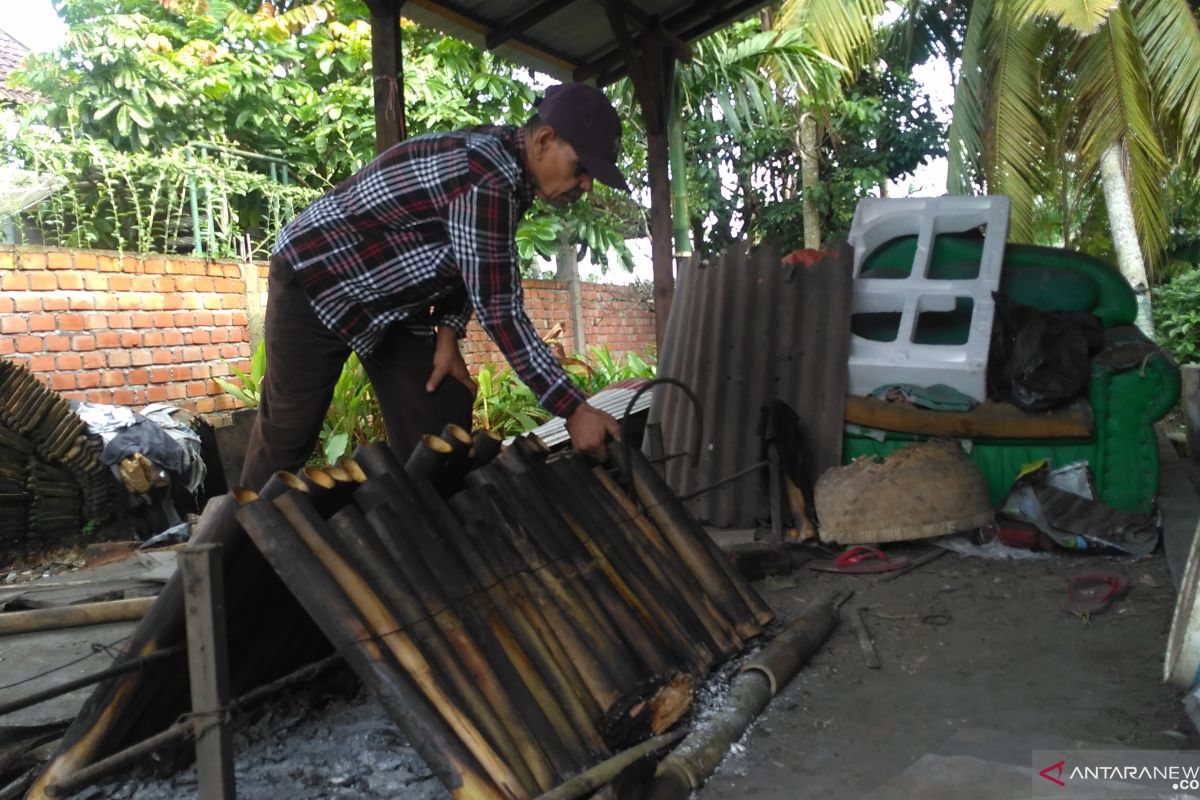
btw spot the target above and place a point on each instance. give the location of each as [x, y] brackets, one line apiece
[518, 617]
[51, 476]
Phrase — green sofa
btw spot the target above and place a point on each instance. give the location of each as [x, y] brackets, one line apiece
[1126, 400]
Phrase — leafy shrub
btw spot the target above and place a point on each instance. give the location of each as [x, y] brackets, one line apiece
[1177, 316]
[353, 416]
[600, 369]
[505, 405]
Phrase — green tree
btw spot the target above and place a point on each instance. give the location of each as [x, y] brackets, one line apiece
[1058, 98]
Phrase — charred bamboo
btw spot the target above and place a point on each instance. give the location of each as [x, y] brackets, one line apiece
[614, 598]
[428, 459]
[656, 551]
[486, 446]
[733, 594]
[455, 655]
[548, 566]
[654, 603]
[329, 580]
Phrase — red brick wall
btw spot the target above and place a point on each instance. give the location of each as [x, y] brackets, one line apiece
[131, 330]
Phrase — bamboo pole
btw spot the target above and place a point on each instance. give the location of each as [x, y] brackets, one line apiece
[610, 769]
[358, 622]
[79, 616]
[447, 647]
[686, 769]
[657, 555]
[378, 497]
[511, 626]
[428, 459]
[486, 445]
[671, 620]
[614, 598]
[459, 459]
[732, 593]
[552, 575]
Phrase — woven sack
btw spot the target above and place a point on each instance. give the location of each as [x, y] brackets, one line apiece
[922, 490]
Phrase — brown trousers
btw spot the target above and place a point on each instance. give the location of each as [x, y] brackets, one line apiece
[304, 361]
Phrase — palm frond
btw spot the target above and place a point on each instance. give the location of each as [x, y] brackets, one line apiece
[1170, 37]
[1016, 139]
[1082, 16]
[967, 126]
[1112, 88]
[844, 30]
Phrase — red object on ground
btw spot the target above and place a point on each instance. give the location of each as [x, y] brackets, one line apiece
[860, 560]
[1095, 592]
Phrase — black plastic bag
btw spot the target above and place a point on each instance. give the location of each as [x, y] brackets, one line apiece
[1041, 359]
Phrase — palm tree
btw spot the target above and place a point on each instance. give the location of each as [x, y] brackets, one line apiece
[1074, 93]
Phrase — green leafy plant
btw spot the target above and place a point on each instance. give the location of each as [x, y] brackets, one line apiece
[1177, 316]
[353, 416]
[600, 369]
[250, 389]
[505, 405]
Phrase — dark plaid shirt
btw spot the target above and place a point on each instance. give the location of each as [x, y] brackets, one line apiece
[420, 237]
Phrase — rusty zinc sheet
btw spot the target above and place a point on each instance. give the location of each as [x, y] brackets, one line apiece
[743, 332]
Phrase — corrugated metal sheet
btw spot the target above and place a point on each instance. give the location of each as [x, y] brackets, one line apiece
[744, 332]
[613, 399]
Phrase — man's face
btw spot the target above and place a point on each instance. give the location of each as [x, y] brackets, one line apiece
[559, 176]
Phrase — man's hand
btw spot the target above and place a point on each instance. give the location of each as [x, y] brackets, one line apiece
[589, 427]
[448, 362]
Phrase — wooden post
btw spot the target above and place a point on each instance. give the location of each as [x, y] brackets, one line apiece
[208, 668]
[651, 67]
[387, 59]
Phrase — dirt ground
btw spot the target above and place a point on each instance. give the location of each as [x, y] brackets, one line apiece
[1008, 658]
[965, 643]
[972, 649]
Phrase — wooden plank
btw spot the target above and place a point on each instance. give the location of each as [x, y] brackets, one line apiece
[208, 668]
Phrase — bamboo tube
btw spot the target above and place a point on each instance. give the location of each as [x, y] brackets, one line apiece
[682, 600]
[382, 625]
[352, 468]
[686, 769]
[428, 459]
[459, 459]
[455, 655]
[613, 598]
[732, 593]
[79, 616]
[655, 605]
[579, 680]
[341, 615]
[512, 629]
[377, 459]
[530, 517]
[486, 446]
[648, 538]
[550, 568]
[378, 495]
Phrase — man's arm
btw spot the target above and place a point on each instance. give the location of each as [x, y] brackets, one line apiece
[481, 224]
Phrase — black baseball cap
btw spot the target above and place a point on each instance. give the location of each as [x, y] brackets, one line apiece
[582, 116]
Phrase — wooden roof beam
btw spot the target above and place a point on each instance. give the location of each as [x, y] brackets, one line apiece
[650, 24]
[519, 23]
